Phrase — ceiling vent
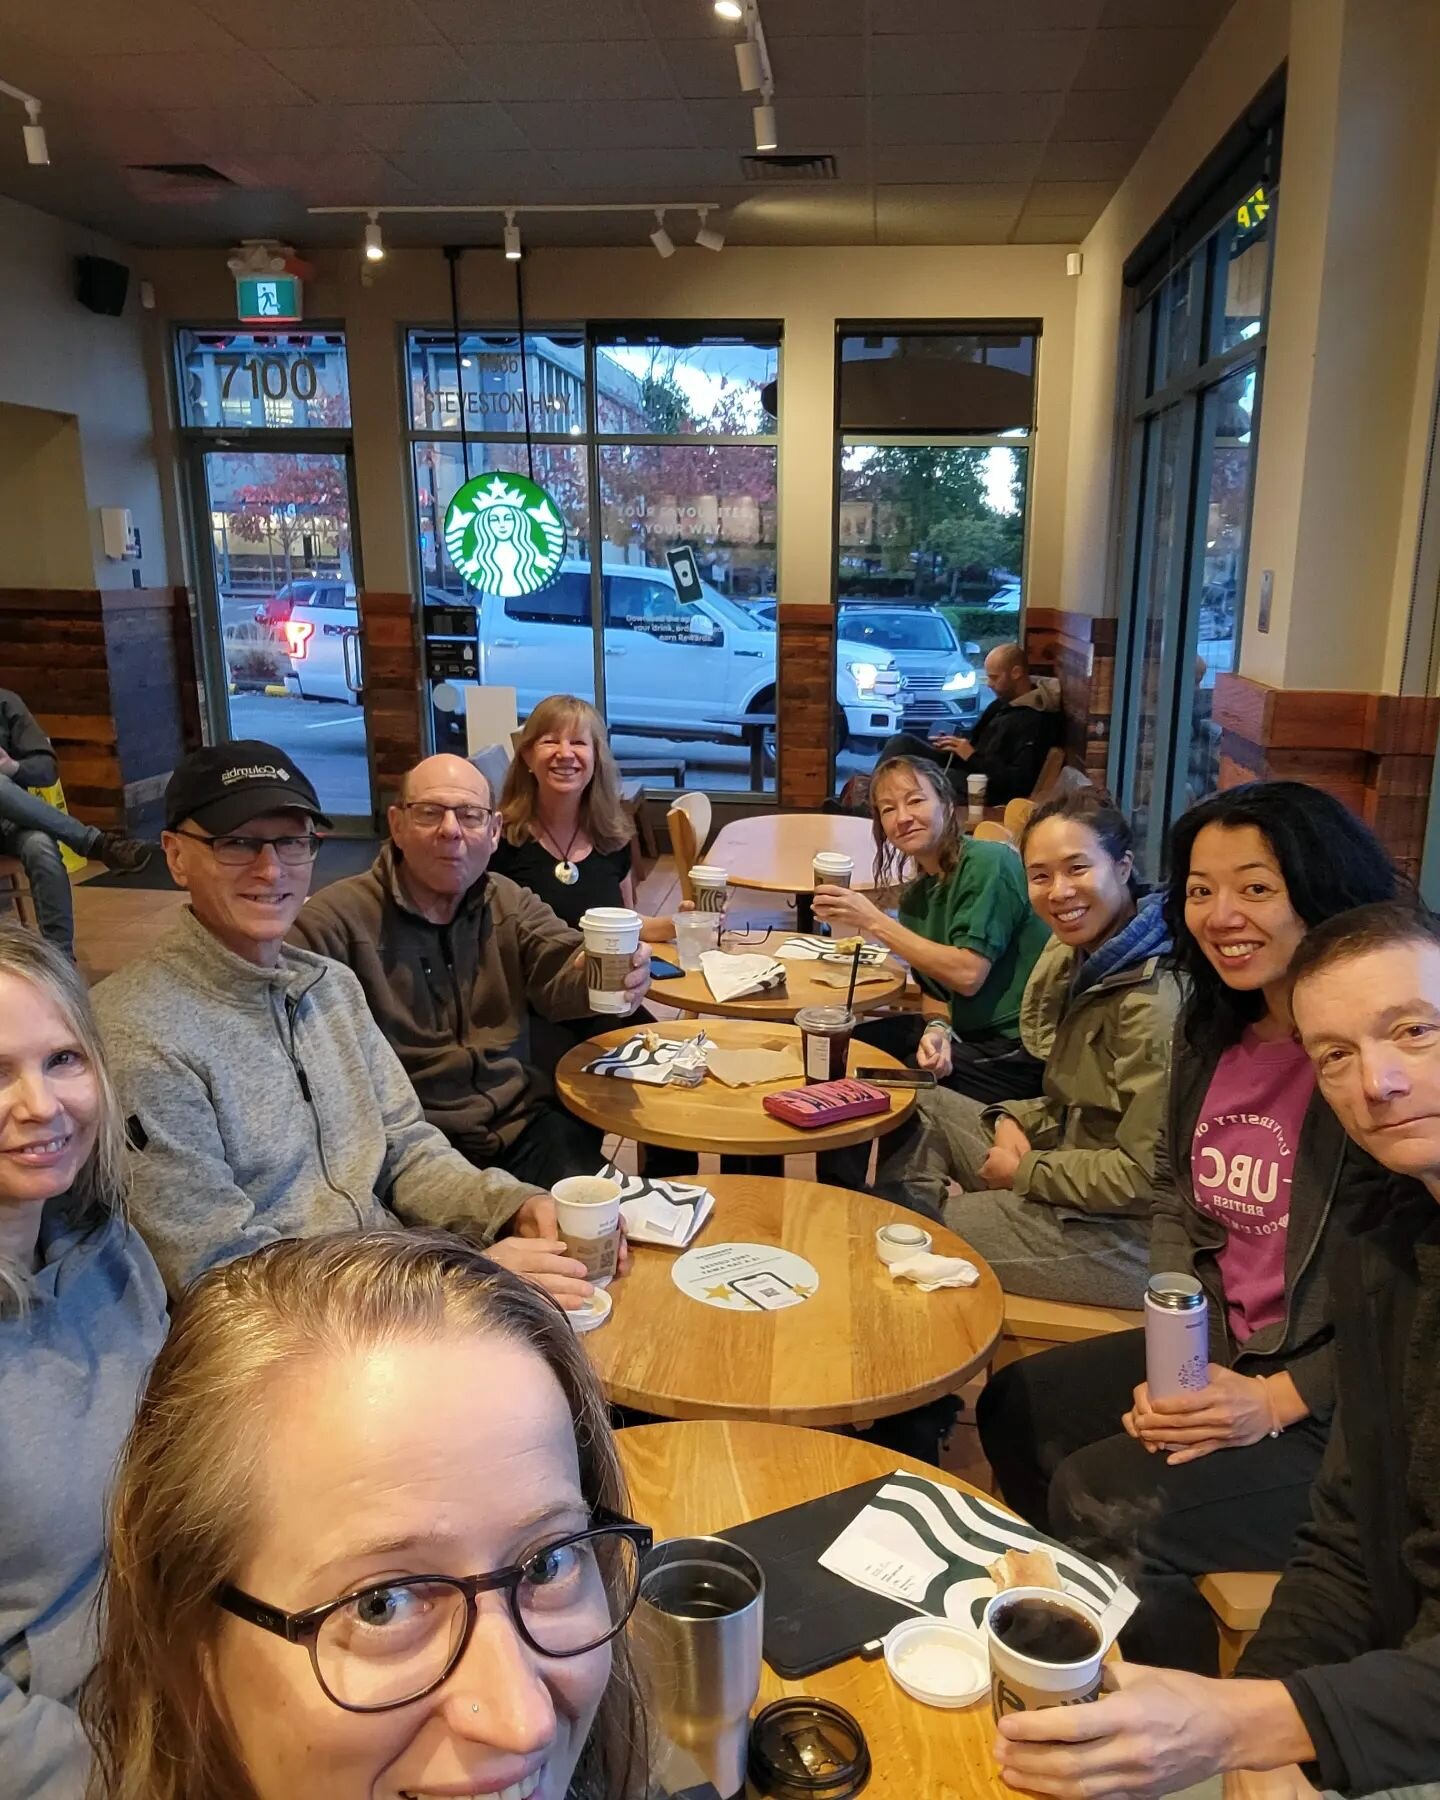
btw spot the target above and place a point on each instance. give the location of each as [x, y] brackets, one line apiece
[776, 166]
[177, 181]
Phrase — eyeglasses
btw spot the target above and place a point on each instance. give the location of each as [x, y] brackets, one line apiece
[235, 852]
[396, 1641]
[428, 815]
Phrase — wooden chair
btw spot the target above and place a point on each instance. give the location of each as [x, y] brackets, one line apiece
[1048, 780]
[1018, 815]
[1238, 1598]
[1034, 1325]
[15, 889]
[689, 820]
[989, 832]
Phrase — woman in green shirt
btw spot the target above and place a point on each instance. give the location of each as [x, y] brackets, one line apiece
[966, 928]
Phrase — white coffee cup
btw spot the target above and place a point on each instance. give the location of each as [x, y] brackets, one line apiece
[588, 1210]
[612, 936]
[832, 868]
[975, 786]
[709, 882]
[1025, 1683]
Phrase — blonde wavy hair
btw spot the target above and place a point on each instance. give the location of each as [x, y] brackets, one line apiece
[98, 1192]
[602, 813]
[891, 866]
[182, 1511]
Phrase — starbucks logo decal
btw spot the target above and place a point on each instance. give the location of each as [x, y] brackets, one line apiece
[504, 534]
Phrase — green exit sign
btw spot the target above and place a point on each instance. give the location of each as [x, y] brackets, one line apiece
[268, 299]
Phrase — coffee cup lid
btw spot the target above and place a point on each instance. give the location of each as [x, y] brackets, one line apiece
[833, 858]
[802, 1748]
[962, 1670]
[593, 1314]
[707, 872]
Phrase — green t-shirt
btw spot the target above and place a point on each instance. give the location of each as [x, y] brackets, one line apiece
[984, 907]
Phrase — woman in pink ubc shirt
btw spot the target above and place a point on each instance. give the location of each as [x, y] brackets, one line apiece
[1262, 1184]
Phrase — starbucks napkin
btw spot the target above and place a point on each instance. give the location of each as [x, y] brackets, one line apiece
[930, 1546]
[929, 1272]
[662, 1212]
[812, 949]
[655, 1061]
[731, 977]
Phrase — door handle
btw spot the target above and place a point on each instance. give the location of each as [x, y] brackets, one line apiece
[506, 643]
[749, 652]
[612, 652]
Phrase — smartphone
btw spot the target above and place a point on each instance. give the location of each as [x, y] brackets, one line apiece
[917, 1078]
[663, 971]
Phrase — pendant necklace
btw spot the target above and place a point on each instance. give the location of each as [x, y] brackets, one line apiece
[567, 873]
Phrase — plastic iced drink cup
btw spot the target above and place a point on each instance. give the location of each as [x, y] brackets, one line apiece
[695, 933]
[825, 1033]
[612, 936]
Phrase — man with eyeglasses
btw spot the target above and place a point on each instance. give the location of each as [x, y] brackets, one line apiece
[262, 1100]
[453, 958]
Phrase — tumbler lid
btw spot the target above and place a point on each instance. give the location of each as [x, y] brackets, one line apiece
[1175, 1293]
[807, 1749]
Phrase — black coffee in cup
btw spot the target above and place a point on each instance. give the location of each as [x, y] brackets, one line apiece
[1045, 1631]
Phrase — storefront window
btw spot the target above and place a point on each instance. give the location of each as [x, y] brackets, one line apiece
[263, 380]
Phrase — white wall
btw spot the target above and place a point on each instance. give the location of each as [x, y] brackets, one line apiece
[57, 356]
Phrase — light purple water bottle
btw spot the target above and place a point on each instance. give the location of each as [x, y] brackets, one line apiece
[1177, 1336]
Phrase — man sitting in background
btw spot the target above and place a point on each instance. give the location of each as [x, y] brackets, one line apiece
[1343, 1676]
[1014, 735]
[33, 831]
[451, 958]
[262, 1101]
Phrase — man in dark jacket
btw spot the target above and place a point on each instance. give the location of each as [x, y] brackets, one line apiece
[1014, 735]
[1340, 1687]
[452, 958]
[33, 831]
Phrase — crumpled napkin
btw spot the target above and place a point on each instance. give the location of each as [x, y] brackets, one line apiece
[811, 949]
[749, 1068]
[732, 977]
[676, 1062]
[929, 1271]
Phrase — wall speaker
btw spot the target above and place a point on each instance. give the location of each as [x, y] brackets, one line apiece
[101, 285]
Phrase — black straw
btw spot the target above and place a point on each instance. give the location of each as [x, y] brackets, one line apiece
[854, 976]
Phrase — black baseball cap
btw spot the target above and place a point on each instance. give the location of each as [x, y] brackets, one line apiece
[224, 786]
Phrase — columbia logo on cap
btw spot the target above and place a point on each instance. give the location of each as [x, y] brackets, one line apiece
[254, 772]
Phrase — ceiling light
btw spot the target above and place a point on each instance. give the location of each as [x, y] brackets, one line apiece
[729, 9]
[752, 70]
[660, 237]
[512, 237]
[37, 151]
[374, 242]
[705, 237]
[766, 137]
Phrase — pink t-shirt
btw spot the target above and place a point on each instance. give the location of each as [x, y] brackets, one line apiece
[1242, 1161]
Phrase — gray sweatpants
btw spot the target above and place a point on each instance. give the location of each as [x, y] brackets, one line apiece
[1048, 1252]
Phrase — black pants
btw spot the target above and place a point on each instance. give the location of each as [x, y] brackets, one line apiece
[553, 1145]
[1050, 1427]
[550, 1039]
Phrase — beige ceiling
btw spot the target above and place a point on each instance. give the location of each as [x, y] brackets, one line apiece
[951, 121]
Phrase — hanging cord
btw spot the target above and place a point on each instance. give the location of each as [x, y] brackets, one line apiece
[453, 253]
[524, 362]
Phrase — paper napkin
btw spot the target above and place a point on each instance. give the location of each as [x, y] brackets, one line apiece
[662, 1212]
[812, 949]
[929, 1272]
[747, 1068]
[677, 1061]
[732, 977]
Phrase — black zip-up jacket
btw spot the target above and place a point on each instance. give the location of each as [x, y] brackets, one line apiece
[23, 739]
[1010, 742]
[1341, 1630]
[1333, 1179]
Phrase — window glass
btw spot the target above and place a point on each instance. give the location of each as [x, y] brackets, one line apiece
[1227, 520]
[1244, 253]
[1173, 326]
[440, 470]
[493, 380]
[263, 380]
[565, 601]
[720, 386]
[951, 382]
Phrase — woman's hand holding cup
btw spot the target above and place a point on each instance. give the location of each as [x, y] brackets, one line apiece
[545, 1262]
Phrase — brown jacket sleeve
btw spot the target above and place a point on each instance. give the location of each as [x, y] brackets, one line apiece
[552, 956]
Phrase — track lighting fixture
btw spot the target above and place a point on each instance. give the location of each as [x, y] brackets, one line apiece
[705, 237]
[374, 241]
[37, 151]
[752, 69]
[766, 137]
[729, 9]
[660, 237]
[512, 237]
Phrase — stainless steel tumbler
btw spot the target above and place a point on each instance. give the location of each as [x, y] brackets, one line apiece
[696, 1632]
[1177, 1336]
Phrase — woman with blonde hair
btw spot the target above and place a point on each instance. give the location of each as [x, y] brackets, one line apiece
[82, 1313]
[368, 1539]
[567, 836]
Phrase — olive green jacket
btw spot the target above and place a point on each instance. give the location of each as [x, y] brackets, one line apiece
[1096, 1129]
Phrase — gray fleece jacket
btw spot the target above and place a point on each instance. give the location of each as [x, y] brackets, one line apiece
[71, 1366]
[265, 1104]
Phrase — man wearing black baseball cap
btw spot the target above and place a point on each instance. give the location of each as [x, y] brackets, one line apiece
[262, 1100]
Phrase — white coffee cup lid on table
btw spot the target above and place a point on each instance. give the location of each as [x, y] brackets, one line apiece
[937, 1662]
[593, 1314]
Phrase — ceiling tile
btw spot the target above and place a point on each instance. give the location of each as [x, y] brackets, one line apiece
[1157, 59]
[345, 74]
[808, 67]
[832, 124]
[1111, 115]
[702, 70]
[264, 130]
[118, 135]
[977, 63]
[930, 17]
[941, 215]
[679, 169]
[1048, 228]
[537, 21]
[205, 78]
[838, 215]
[604, 124]
[957, 163]
[575, 71]
[105, 29]
[1199, 15]
[311, 24]
[686, 19]
[1096, 161]
[1072, 197]
[965, 118]
[476, 176]
[812, 18]
[434, 127]
[358, 178]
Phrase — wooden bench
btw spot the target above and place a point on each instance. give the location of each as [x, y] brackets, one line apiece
[1034, 1325]
[1238, 1598]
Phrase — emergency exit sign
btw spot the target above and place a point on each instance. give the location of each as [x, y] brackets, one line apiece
[268, 299]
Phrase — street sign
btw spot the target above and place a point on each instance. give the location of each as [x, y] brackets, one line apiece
[684, 572]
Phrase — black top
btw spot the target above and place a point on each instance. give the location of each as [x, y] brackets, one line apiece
[23, 739]
[533, 866]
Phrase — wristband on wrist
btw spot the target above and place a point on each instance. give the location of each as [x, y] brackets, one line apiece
[1275, 1425]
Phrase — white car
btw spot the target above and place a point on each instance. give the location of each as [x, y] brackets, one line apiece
[322, 639]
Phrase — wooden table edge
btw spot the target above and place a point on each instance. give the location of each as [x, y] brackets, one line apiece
[832, 1137]
[747, 1009]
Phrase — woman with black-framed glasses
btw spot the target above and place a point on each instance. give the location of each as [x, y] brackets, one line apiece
[368, 1543]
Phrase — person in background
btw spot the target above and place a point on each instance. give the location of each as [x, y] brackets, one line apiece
[82, 1313]
[1340, 1687]
[453, 958]
[1013, 736]
[369, 1538]
[262, 1100]
[1260, 1185]
[1058, 1189]
[33, 831]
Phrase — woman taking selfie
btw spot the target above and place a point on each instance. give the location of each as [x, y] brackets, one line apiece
[1058, 1189]
[367, 1543]
[82, 1313]
[1262, 1185]
[965, 927]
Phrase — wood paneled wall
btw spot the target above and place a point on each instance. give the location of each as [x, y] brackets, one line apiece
[806, 704]
[110, 675]
[394, 688]
[1376, 752]
[1080, 650]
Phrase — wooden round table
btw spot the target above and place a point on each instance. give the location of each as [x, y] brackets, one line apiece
[725, 1120]
[699, 1478]
[776, 852]
[863, 1347]
[691, 992]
